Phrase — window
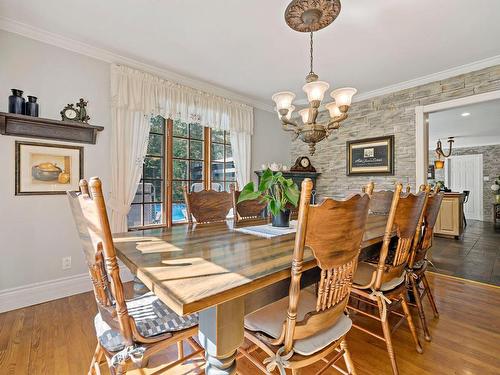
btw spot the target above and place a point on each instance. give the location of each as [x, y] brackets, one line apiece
[179, 154]
[187, 163]
[222, 164]
[148, 206]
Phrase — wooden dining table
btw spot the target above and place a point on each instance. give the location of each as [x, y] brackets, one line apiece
[221, 274]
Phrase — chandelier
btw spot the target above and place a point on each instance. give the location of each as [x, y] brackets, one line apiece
[310, 16]
[439, 164]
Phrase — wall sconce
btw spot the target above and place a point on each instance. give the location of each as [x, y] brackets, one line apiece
[439, 148]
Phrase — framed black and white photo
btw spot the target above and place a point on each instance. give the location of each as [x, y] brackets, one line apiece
[371, 156]
[46, 169]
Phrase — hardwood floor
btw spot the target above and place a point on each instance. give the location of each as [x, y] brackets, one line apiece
[475, 256]
[57, 338]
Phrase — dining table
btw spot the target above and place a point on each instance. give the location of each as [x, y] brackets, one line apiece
[222, 274]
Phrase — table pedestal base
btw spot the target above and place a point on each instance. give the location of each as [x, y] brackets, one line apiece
[221, 332]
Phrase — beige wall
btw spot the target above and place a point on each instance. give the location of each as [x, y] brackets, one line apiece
[37, 231]
[269, 142]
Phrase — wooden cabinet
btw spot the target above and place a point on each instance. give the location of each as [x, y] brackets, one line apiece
[450, 220]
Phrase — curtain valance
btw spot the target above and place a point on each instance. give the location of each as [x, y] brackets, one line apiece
[143, 92]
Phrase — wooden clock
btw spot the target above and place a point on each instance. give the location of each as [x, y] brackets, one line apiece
[302, 164]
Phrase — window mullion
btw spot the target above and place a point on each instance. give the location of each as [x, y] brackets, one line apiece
[207, 143]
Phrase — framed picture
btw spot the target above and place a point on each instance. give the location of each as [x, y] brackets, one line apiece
[371, 156]
[45, 169]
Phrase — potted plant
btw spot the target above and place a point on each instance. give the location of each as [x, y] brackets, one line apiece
[279, 192]
[496, 189]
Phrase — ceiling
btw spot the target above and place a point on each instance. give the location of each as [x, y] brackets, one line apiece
[246, 47]
[481, 127]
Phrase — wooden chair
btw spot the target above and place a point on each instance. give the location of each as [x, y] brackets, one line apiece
[382, 284]
[207, 206]
[380, 202]
[417, 264]
[303, 328]
[128, 331]
[250, 210]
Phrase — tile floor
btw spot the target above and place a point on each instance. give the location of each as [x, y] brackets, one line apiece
[476, 256]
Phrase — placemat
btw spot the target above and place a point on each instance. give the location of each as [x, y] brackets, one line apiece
[268, 231]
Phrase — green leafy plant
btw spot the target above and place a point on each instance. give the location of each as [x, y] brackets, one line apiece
[278, 191]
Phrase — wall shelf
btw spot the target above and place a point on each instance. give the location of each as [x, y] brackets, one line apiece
[36, 127]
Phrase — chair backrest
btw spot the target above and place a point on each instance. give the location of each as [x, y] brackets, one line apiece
[380, 202]
[207, 206]
[466, 198]
[199, 186]
[405, 218]
[91, 219]
[333, 230]
[247, 210]
[430, 216]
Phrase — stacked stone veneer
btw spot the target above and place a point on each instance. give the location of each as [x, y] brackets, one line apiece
[491, 169]
[385, 115]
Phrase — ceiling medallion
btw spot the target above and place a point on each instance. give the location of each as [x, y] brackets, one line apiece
[309, 16]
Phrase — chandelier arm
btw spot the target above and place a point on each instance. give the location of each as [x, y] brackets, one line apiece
[286, 123]
[336, 120]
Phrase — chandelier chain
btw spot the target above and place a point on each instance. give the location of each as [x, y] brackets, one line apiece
[311, 52]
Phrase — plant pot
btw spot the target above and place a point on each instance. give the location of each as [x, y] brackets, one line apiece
[497, 198]
[282, 219]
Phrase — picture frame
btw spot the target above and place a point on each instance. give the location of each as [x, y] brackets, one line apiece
[370, 156]
[46, 168]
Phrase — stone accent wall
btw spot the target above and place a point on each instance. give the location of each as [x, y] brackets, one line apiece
[491, 169]
[385, 115]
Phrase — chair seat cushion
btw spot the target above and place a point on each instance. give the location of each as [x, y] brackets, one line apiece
[152, 318]
[270, 319]
[364, 274]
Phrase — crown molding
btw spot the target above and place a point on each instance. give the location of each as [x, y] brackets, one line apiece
[439, 76]
[73, 45]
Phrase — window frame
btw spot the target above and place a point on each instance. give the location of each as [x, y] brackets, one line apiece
[168, 170]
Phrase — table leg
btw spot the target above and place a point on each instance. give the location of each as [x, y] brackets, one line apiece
[221, 332]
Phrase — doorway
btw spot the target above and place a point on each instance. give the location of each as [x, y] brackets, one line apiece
[465, 173]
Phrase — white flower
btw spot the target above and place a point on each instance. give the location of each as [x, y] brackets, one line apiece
[495, 187]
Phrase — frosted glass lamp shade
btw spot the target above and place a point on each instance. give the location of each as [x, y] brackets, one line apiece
[333, 109]
[304, 113]
[283, 99]
[343, 96]
[289, 114]
[315, 90]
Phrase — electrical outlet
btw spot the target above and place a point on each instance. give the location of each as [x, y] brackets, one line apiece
[66, 263]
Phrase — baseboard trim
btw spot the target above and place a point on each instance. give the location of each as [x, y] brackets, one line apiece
[33, 294]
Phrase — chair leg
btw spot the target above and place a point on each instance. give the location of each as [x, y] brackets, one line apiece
[420, 308]
[347, 358]
[180, 349]
[430, 296]
[96, 359]
[409, 319]
[121, 370]
[387, 335]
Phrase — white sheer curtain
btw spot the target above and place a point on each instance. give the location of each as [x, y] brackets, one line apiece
[241, 146]
[129, 142]
[135, 96]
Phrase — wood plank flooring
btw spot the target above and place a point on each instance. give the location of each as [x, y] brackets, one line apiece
[57, 338]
